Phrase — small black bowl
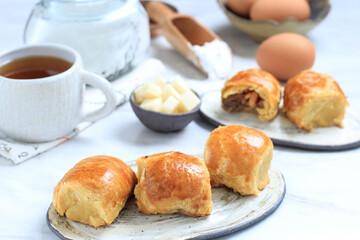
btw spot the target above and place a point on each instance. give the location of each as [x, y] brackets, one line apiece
[163, 122]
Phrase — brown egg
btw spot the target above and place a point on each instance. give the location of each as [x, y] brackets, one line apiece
[279, 10]
[286, 54]
[240, 7]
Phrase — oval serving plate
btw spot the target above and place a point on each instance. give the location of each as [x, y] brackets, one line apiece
[284, 132]
[231, 212]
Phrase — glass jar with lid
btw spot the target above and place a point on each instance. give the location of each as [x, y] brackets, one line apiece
[110, 35]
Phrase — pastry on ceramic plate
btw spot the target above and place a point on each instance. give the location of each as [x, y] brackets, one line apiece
[95, 190]
[173, 182]
[231, 212]
[313, 100]
[239, 158]
[252, 90]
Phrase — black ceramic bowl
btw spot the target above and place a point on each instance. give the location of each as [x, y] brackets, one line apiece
[163, 122]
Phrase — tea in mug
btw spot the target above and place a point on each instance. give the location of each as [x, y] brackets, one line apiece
[34, 67]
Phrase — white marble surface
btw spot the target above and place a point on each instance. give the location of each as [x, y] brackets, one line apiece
[322, 200]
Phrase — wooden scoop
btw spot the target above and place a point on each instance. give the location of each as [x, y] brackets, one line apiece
[181, 30]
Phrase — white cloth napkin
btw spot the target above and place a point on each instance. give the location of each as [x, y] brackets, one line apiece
[147, 71]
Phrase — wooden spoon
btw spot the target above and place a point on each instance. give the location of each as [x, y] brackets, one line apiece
[155, 28]
[182, 31]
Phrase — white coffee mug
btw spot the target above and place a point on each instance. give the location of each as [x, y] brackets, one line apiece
[44, 109]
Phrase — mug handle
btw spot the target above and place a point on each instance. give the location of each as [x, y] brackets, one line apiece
[101, 83]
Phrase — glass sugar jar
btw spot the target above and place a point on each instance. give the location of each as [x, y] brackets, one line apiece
[110, 35]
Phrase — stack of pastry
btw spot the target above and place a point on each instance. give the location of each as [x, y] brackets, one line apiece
[95, 190]
[253, 90]
[239, 158]
[173, 182]
[311, 99]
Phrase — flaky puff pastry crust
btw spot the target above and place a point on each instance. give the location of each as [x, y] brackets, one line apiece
[267, 91]
[95, 190]
[313, 100]
[173, 182]
[239, 158]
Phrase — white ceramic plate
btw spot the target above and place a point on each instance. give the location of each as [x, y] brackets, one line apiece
[231, 212]
[284, 132]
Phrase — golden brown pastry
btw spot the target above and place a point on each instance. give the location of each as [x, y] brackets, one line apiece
[313, 100]
[94, 190]
[252, 90]
[239, 158]
[173, 182]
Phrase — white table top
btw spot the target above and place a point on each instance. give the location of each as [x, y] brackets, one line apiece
[322, 199]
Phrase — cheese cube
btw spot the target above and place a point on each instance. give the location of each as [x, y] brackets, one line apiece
[180, 86]
[188, 101]
[151, 90]
[139, 95]
[170, 91]
[170, 105]
[160, 82]
[153, 104]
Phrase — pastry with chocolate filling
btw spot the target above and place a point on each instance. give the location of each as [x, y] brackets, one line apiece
[252, 90]
[313, 100]
[173, 182]
[95, 190]
[239, 158]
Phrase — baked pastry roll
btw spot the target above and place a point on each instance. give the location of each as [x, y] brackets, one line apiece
[239, 158]
[252, 90]
[94, 190]
[313, 100]
[173, 182]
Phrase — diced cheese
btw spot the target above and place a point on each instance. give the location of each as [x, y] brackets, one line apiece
[180, 86]
[151, 91]
[174, 97]
[170, 105]
[153, 104]
[188, 101]
[170, 91]
[138, 95]
[160, 82]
